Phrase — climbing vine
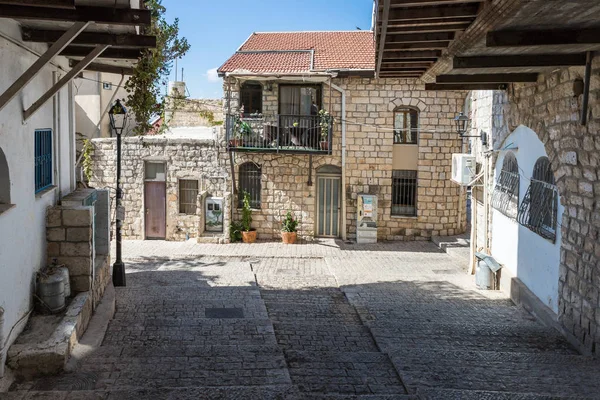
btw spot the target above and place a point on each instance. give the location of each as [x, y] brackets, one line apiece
[210, 117]
[87, 164]
[152, 71]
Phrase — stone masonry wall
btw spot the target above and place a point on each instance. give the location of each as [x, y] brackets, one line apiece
[204, 160]
[550, 109]
[194, 112]
[369, 104]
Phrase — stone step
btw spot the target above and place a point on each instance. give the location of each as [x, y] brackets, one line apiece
[451, 394]
[316, 336]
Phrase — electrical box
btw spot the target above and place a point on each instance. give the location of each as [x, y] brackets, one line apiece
[214, 215]
[366, 227]
[463, 169]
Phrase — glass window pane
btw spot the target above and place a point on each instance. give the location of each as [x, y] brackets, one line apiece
[336, 202]
[328, 207]
[321, 205]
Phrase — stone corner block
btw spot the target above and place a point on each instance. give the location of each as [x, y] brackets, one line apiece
[53, 217]
[77, 216]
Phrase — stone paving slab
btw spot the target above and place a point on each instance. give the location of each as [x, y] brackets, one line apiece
[447, 394]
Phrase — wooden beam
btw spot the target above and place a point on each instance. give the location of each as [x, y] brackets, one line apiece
[407, 65]
[420, 3]
[411, 70]
[533, 60]
[111, 69]
[420, 37]
[410, 61]
[417, 46]
[586, 88]
[544, 37]
[429, 28]
[101, 15]
[91, 38]
[430, 22]
[41, 62]
[466, 86]
[488, 78]
[64, 80]
[41, 3]
[117, 54]
[382, 34]
[406, 55]
[442, 12]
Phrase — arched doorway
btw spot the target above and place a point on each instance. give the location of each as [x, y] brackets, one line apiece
[329, 186]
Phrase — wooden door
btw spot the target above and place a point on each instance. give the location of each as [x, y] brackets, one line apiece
[328, 206]
[155, 194]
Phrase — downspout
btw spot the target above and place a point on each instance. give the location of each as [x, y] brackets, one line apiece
[344, 218]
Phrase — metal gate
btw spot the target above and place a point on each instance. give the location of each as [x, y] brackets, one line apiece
[328, 206]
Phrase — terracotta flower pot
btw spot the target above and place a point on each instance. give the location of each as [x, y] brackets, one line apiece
[289, 237]
[235, 143]
[324, 145]
[249, 237]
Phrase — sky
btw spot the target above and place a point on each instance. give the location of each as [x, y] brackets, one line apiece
[215, 29]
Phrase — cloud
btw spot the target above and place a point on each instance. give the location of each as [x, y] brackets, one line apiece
[212, 75]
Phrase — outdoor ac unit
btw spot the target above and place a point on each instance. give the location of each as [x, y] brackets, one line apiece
[463, 169]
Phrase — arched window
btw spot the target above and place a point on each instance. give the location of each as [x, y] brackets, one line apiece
[539, 208]
[4, 180]
[250, 182]
[406, 125]
[506, 193]
[251, 98]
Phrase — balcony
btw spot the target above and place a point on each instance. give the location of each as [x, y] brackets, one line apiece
[299, 134]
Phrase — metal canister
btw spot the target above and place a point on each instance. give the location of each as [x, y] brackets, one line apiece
[64, 271]
[51, 292]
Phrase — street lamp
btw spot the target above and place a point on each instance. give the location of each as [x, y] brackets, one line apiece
[118, 118]
[462, 125]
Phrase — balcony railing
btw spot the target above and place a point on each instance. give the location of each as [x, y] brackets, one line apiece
[279, 134]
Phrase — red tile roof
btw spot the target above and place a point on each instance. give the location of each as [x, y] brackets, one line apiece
[332, 50]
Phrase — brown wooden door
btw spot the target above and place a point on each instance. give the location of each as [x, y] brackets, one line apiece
[156, 209]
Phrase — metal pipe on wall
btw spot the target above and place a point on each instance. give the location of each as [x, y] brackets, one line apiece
[344, 219]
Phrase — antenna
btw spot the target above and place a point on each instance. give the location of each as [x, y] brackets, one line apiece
[175, 70]
[182, 80]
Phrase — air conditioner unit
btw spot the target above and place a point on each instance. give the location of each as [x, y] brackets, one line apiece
[463, 168]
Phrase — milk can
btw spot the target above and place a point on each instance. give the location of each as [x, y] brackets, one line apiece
[51, 292]
[64, 271]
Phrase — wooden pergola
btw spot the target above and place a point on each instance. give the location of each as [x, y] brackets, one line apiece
[485, 45]
[96, 35]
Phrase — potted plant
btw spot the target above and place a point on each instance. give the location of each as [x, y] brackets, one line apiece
[289, 229]
[248, 234]
[325, 122]
[241, 129]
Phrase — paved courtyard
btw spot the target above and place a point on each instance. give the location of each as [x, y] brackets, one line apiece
[316, 321]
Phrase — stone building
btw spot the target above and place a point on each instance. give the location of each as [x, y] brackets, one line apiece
[389, 138]
[535, 96]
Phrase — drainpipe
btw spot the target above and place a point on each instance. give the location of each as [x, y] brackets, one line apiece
[343, 93]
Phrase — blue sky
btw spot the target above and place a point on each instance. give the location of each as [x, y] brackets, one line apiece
[215, 29]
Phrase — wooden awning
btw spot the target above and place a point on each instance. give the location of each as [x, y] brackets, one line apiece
[99, 35]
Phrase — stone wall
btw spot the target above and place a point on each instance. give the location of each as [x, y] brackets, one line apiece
[369, 125]
[194, 112]
[551, 110]
[204, 160]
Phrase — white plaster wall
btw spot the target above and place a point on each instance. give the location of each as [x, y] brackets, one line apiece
[23, 228]
[530, 257]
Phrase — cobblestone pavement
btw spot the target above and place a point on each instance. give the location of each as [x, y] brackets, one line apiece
[316, 321]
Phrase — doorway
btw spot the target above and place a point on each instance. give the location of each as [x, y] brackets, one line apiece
[155, 200]
[329, 184]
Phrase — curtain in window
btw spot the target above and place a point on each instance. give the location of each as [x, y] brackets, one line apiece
[298, 100]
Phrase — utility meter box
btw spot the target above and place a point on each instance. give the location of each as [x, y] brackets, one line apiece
[214, 215]
[366, 226]
[463, 168]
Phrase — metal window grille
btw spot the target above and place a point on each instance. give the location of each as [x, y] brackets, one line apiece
[539, 209]
[404, 192]
[406, 124]
[505, 197]
[43, 159]
[188, 195]
[250, 182]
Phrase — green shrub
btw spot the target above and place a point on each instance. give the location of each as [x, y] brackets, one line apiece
[289, 223]
[235, 232]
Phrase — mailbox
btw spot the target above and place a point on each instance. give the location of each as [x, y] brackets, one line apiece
[366, 226]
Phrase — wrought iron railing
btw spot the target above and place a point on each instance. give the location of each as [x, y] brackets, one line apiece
[279, 134]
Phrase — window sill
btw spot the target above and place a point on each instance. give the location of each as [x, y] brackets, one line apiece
[407, 144]
[44, 192]
[404, 216]
[4, 208]
[239, 209]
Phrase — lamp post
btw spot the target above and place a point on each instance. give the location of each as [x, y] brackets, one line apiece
[462, 125]
[118, 118]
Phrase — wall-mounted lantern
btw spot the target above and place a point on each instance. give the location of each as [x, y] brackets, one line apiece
[462, 125]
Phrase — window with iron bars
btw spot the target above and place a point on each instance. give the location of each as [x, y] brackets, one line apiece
[539, 208]
[43, 159]
[406, 125]
[250, 182]
[188, 195]
[404, 193]
[505, 197]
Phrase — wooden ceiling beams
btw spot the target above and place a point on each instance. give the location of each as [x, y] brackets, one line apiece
[100, 15]
[487, 78]
[91, 38]
[41, 3]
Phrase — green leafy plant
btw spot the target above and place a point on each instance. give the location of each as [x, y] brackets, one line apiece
[246, 213]
[289, 223]
[325, 122]
[210, 117]
[235, 232]
[87, 163]
[152, 71]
